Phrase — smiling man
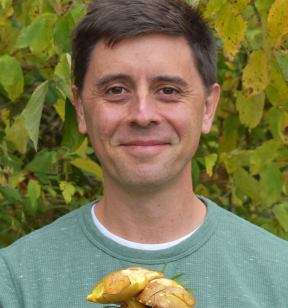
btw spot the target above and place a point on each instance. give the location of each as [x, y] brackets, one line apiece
[144, 113]
[145, 90]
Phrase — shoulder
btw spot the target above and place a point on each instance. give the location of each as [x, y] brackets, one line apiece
[234, 229]
[51, 235]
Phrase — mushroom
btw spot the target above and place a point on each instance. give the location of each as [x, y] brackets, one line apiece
[166, 293]
[122, 286]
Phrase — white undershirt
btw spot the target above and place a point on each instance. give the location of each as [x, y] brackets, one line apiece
[135, 245]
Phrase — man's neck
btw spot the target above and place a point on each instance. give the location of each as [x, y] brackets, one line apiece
[162, 216]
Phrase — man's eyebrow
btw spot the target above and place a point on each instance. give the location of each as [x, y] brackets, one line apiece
[111, 77]
[174, 79]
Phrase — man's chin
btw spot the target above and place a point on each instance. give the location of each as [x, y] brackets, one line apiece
[144, 182]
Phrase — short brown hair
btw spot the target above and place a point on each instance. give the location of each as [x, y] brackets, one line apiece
[116, 20]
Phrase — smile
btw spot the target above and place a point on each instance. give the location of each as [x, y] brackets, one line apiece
[144, 143]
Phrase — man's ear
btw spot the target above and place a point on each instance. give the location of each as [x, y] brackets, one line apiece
[78, 104]
[210, 108]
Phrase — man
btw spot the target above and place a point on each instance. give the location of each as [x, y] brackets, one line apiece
[144, 91]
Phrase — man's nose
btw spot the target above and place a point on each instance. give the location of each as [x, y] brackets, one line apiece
[143, 110]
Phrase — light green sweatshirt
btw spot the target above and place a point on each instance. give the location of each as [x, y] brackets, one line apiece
[230, 262]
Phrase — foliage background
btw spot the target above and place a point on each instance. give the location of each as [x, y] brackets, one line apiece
[48, 169]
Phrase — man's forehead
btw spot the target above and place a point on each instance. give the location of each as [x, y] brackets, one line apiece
[153, 49]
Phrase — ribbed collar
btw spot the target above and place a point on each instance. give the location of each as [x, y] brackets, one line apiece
[177, 252]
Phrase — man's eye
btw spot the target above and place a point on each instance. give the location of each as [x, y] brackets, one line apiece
[116, 90]
[168, 91]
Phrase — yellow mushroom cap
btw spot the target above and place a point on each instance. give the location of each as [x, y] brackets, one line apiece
[166, 293]
[122, 285]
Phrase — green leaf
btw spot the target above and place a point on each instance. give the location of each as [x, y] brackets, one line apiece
[78, 11]
[235, 160]
[231, 29]
[72, 139]
[250, 109]
[63, 86]
[232, 162]
[264, 155]
[263, 7]
[11, 76]
[177, 277]
[282, 59]
[62, 34]
[42, 162]
[196, 171]
[38, 35]
[163, 268]
[274, 115]
[17, 134]
[34, 192]
[247, 184]
[256, 75]
[62, 75]
[281, 215]
[277, 90]
[271, 183]
[184, 283]
[33, 111]
[230, 137]
[9, 36]
[68, 190]
[10, 193]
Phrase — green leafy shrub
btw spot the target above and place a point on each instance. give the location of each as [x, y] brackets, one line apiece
[48, 169]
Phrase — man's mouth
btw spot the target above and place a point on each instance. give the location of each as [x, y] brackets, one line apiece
[145, 143]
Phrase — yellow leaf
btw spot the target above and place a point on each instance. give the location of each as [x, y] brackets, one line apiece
[250, 109]
[5, 116]
[283, 126]
[213, 7]
[235, 198]
[232, 162]
[231, 29]
[16, 178]
[5, 4]
[210, 162]
[237, 6]
[87, 165]
[60, 108]
[3, 180]
[229, 83]
[278, 19]
[256, 75]
[81, 151]
[283, 40]
[4, 19]
[68, 190]
[17, 134]
[33, 192]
